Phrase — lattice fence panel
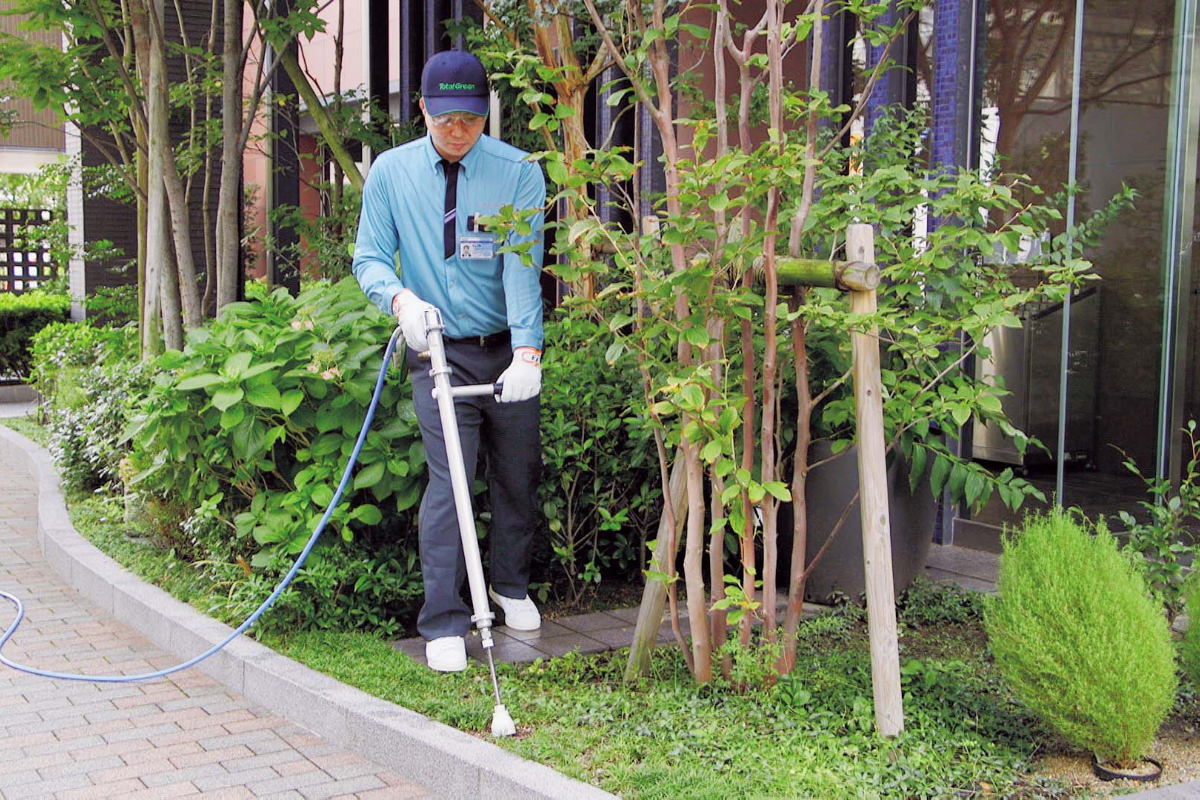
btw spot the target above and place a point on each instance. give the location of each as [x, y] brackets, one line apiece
[24, 265]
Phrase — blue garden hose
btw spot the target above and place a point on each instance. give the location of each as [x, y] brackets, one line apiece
[287, 579]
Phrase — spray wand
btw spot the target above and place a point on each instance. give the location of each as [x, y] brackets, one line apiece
[502, 722]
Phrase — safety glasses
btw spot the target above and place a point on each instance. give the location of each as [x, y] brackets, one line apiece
[442, 121]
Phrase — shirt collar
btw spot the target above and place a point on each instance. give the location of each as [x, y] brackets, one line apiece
[466, 164]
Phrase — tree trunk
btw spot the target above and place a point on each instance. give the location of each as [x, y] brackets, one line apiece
[207, 301]
[157, 236]
[229, 196]
[693, 570]
[181, 229]
[172, 317]
[795, 606]
[143, 179]
[770, 350]
[329, 132]
[716, 541]
[654, 595]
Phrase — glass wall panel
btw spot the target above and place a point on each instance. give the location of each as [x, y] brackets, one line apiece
[1116, 323]
[1026, 78]
[1124, 105]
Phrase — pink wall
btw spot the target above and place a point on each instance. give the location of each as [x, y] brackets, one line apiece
[317, 59]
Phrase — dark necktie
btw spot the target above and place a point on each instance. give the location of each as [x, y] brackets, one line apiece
[448, 232]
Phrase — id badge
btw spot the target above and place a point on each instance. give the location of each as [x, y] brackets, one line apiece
[477, 247]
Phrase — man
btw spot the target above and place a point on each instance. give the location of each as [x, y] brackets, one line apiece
[424, 200]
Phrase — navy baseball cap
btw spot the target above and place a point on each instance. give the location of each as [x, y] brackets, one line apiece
[454, 80]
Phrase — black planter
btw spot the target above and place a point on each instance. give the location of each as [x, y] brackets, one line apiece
[1108, 772]
[830, 488]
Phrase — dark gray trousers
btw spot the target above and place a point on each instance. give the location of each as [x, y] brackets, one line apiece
[509, 435]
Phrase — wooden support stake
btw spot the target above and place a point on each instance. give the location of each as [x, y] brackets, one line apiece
[654, 595]
[872, 476]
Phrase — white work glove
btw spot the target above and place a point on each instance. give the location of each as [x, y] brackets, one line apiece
[523, 378]
[410, 313]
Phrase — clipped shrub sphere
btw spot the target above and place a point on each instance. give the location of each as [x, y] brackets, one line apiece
[1078, 639]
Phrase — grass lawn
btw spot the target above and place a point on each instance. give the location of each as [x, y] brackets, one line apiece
[809, 735]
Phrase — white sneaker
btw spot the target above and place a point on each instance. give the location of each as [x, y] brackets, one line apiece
[520, 615]
[446, 654]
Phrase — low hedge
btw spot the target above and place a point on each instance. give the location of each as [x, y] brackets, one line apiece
[22, 316]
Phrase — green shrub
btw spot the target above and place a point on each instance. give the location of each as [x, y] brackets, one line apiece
[1164, 543]
[89, 379]
[62, 350]
[927, 603]
[86, 439]
[251, 425]
[21, 316]
[1078, 638]
[115, 305]
[600, 482]
[1189, 648]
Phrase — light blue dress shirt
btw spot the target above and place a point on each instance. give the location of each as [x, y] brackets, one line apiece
[402, 211]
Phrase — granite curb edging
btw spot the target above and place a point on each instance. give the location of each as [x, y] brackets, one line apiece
[453, 763]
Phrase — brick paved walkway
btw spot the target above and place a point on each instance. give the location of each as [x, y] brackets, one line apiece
[184, 735]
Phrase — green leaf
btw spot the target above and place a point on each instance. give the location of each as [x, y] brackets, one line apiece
[941, 471]
[322, 496]
[369, 476]
[264, 396]
[697, 336]
[916, 469]
[237, 363]
[663, 408]
[557, 171]
[958, 477]
[989, 402]
[778, 489]
[224, 398]
[960, 413]
[408, 497]
[232, 418]
[290, 401]
[691, 396]
[975, 484]
[198, 382]
[662, 577]
[367, 514]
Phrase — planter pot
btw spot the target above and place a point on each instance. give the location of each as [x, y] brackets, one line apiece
[1147, 769]
[830, 488]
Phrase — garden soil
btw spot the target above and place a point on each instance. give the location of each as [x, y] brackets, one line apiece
[1177, 747]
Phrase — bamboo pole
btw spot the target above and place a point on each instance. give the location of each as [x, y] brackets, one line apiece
[849, 276]
[876, 525]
